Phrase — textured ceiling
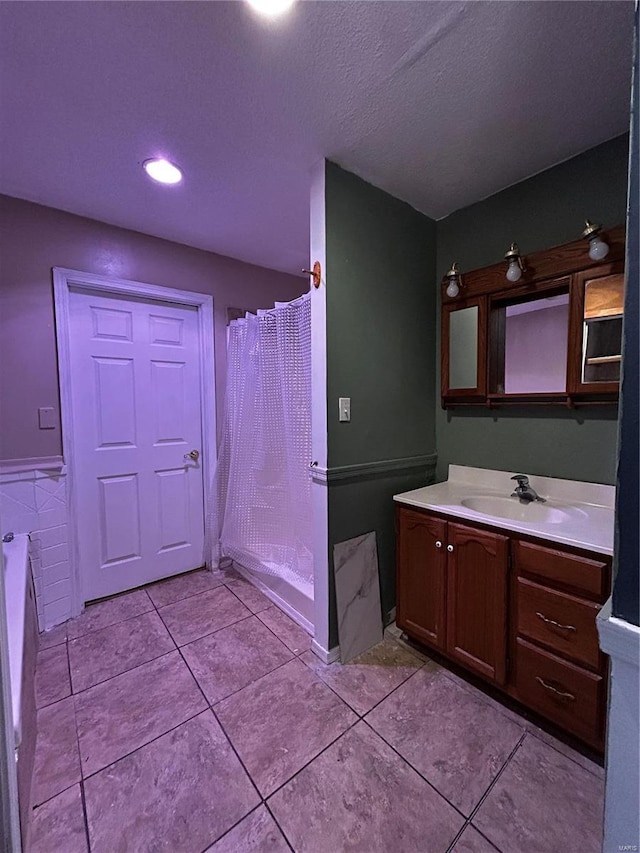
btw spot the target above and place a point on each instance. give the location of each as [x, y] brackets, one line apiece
[439, 103]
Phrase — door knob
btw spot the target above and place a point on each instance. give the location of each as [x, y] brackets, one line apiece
[450, 548]
[438, 544]
[193, 454]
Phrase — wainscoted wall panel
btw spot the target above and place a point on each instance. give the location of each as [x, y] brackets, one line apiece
[35, 502]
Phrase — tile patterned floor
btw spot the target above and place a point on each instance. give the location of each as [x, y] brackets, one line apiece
[192, 717]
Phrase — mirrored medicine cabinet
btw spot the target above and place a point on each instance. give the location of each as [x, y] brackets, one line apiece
[554, 337]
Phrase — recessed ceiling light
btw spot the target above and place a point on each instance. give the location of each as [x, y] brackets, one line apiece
[162, 171]
[271, 8]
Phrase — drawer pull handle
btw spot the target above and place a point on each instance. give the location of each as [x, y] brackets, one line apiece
[551, 689]
[554, 623]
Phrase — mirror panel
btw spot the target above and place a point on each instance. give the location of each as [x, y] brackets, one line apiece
[602, 329]
[463, 348]
[535, 345]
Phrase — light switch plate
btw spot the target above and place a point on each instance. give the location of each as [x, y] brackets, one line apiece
[46, 417]
[344, 409]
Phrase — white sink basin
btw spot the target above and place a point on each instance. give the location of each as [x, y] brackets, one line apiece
[533, 512]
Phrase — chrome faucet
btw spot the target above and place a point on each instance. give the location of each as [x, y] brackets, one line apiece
[524, 491]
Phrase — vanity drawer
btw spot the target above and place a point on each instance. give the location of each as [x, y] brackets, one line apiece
[560, 621]
[561, 691]
[580, 573]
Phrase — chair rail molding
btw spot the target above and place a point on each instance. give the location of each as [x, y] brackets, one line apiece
[369, 470]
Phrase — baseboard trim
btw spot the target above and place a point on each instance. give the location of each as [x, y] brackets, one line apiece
[297, 617]
[370, 470]
[326, 656]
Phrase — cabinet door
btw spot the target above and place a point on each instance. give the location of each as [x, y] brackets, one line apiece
[595, 330]
[477, 600]
[464, 349]
[421, 562]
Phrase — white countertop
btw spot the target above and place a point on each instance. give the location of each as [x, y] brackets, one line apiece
[589, 507]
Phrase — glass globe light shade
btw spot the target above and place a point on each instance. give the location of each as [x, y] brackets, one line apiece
[514, 273]
[598, 249]
[452, 288]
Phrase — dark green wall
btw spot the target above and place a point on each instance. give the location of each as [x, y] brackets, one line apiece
[380, 331]
[542, 211]
[381, 304]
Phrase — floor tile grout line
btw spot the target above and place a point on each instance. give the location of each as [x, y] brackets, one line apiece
[529, 726]
[237, 755]
[229, 741]
[297, 654]
[52, 646]
[79, 782]
[222, 583]
[142, 745]
[212, 705]
[191, 673]
[104, 627]
[85, 816]
[488, 840]
[363, 714]
[210, 633]
[415, 769]
[405, 646]
[125, 672]
[53, 796]
[331, 688]
[283, 833]
[311, 760]
[122, 672]
[263, 798]
[231, 828]
[189, 595]
[419, 669]
[483, 798]
[564, 754]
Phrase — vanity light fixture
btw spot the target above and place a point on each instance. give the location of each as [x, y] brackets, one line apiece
[162, 171]
[455, 281]
[515, 263]
[598, 249]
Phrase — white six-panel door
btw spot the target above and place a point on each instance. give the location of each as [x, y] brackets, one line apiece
[135, 395]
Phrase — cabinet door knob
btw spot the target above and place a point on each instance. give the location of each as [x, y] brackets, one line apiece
[449, 548]
[438, 544]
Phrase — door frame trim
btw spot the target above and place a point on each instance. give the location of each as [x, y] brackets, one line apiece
[64, 280]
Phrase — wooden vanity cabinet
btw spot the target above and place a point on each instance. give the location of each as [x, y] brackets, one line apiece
[476, 588]
[557, 667]
[514, 611]
[452, 590]
[420, 600]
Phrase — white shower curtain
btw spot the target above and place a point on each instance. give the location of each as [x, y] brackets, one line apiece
[261, 500]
